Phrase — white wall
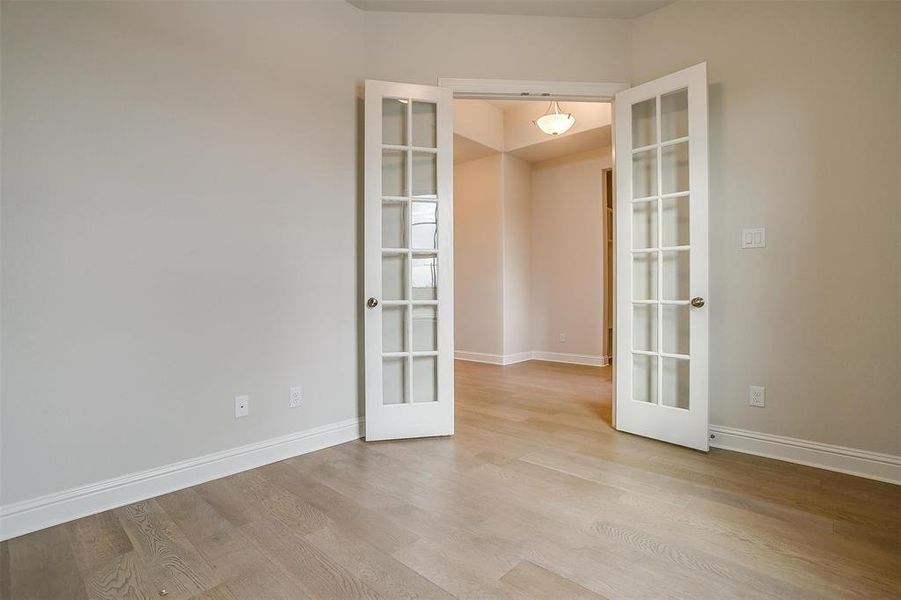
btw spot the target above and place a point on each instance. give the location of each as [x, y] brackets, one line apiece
[804, 139]
[517, 234]
[479, 255]
[179, 226]
[568, 254]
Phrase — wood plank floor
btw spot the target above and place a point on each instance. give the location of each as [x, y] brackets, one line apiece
[534, 497]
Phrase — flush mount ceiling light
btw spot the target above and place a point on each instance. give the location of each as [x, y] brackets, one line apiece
[554, 122]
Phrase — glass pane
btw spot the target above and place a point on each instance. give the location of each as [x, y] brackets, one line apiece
[394, 328]
[675, 329]
[644, 123]
[394, 380]
[644, 327]
[674, 174]
[394, 280]
[644, 225]
[675, 221]
[425, 328]
[674, 115]
[425, 379]
[425, 225]
[394, 173]
[675, 276]
[644, 174]
[394, 121]
[425, 124]
[425, 174]
[425, 278]
[644, 378]
[644, 276]
[394, 225]
[675, 383]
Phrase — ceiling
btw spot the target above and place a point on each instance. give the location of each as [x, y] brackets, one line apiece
[565, 145]
[607, 9]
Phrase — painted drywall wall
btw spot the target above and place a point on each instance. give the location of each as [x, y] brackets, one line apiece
[478, 256]
[180, 218]
[804, 113]
[567, 286]
[421, 47]
[517, 263]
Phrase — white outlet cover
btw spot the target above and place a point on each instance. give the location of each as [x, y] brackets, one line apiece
[757, 396]
[242, 406]
[295, 395]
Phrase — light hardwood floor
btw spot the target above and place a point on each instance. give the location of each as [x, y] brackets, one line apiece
[534, 497]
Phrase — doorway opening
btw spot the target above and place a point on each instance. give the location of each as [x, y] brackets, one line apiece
[533, 249]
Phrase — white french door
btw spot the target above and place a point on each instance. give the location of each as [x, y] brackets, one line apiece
[662, 254]
[408, 270]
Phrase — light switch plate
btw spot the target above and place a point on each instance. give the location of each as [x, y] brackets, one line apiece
[754, 237]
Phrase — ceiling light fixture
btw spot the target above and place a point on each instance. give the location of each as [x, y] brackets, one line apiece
[554, 122]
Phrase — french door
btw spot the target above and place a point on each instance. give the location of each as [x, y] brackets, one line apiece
[408, 270]
[662, 254]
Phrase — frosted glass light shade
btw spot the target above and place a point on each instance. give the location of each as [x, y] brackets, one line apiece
[554, 122]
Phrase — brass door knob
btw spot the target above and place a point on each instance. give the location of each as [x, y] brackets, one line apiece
[372, 303]
[697, 302]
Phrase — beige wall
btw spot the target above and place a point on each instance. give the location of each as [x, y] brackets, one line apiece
[478, 255]
[180, 219]
[804, 113]
[517, 233]
[568, 254]
[419, 48]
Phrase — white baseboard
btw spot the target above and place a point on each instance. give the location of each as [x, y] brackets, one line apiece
[31, 515]
[862, 463]
[510, 359]
[573, 359]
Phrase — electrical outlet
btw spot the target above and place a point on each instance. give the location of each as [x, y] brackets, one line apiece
[242, 406]
[562, 337]
[294, 397]
[757, 396]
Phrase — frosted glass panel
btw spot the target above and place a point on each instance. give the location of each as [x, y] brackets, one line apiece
[644, 378]
[394, 225]
[394, 380]
[425, 174]
[644, 225]
[674, 171]
[676, 329]
[394, 122]
[425, 328]
[394, 328]
[425, 124]
[675, 221]
[425, 278]
[644, 123]
[644, 174]
[644, 327]
[394, 173]
[425, 225]
[675, 275]
[394, 280]
[644, 276]
[674, 115]
[675, 383]
[425, 379]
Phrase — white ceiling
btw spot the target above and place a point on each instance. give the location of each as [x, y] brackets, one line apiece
[608, 9]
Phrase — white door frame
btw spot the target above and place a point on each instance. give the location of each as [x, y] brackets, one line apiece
[573, 91]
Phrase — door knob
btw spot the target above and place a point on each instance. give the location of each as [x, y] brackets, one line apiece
[372, 303]
[697, 302]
